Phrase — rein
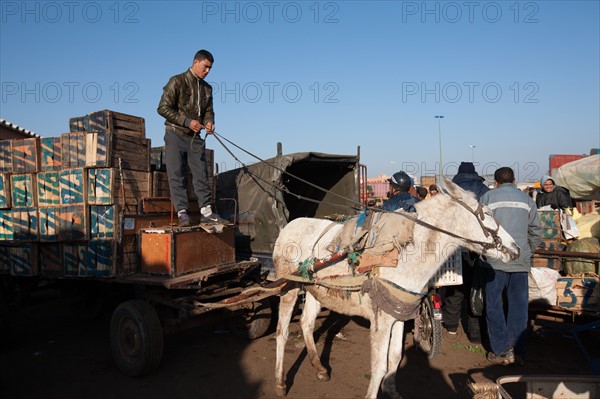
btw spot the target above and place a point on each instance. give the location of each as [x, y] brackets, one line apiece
[478, 213]
[497, 244]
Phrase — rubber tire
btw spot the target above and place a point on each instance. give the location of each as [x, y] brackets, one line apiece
[252, 323]
[428, 330]
[136, 338]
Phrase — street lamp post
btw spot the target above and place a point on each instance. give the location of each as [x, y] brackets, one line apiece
[472, 147]
[439, 118]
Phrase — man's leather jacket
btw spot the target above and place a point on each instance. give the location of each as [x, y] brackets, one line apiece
[185, 98]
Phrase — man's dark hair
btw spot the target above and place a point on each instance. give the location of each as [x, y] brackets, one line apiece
[421, 191]
[504, 175]
[204, 55]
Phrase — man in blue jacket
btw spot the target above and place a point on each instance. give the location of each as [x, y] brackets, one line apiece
[516, 212]
[400, 184]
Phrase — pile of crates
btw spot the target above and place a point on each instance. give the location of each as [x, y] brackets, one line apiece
[68, 203]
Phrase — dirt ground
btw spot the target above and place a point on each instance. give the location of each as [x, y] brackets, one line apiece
[52, 354]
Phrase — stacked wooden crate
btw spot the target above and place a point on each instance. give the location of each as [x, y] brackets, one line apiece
[160, 182]
[63, 199]
[552, 239]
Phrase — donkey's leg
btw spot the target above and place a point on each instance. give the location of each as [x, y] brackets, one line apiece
[394, 356]
[286, 308]
[381, 328]
[312, 307]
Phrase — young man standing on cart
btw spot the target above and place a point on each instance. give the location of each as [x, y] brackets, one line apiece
[516, 212]
[187, 106]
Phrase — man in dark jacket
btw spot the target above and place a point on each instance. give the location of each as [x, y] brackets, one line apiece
[187, 106]
[516, 212]
[467, 179]
[551, 194]
[400, 184]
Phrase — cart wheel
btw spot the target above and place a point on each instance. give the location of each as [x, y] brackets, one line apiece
[428, 331]
[252, 323]
[136, 337]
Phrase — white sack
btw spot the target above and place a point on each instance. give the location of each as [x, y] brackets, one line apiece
[542, 286]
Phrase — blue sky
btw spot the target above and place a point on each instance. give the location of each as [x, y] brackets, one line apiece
[519, 80]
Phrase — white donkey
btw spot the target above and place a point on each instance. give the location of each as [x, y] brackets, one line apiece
[387, 296]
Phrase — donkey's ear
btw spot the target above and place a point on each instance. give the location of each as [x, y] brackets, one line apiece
[446, 186]
[450, 188]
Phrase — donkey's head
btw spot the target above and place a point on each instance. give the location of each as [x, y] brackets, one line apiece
[475, 224]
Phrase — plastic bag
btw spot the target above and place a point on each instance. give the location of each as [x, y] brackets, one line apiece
[542, 285]
[568, 225]
[476, 295]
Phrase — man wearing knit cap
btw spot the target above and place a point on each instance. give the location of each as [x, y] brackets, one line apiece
[467, 179]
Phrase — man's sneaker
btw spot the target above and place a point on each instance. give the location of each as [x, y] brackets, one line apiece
[452, 330]
[184, 219]
[213, 218]
[209, 217]
[507, 357]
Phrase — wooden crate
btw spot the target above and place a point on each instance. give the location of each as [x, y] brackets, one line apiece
[547, 261]
[101, 186]
[24, 260]
[51, 260]
[48, 188]
[51, 153]
[6, 225]
[160, 185]
[74, 258]
[23, 190]
[49, 224]
[578, 293]
[551, 228]
[25, 155]
[106, 149]
[108, 186]
[73, 150]
[5, 156]
[158, 205]
[73, 225]
[158, 162]
[72, 186]
[109, 121]
[4, 259]
[180, 251]
[104, 222]
[25, 224]
[128, 255]
[102, 258]
[5, 197]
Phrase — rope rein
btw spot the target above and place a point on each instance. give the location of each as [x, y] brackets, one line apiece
[478, 213]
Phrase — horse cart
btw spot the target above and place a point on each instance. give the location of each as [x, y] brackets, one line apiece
[164, 277]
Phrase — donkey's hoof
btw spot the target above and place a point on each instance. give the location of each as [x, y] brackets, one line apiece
[280, 391]
[323, 376]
